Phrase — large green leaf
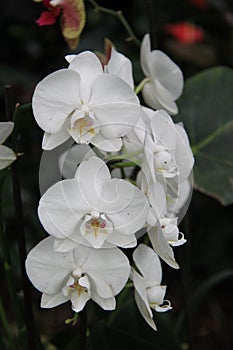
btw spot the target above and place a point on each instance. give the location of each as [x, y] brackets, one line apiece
[206, 109]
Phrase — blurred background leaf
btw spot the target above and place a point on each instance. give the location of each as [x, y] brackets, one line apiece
[206, 109]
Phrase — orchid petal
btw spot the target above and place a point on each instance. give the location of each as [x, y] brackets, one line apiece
[148, 263]
[51, 141]
[46, 18]
[79, 300]
[88, 66]
[121, 66]
[55, 98]
[6, 129]
[145, 55]
[105, 144]
[69, 160]
[91, 175]
[161, 246]
[159, 99]
[167, 73]
[115, 105]
[144, 311]
[61, 208]
[7, 156]
[105, 303]
[125, 205]
[47, 269]
[155, 295]
[122, 240]
[107, 266]
[52, 300]
[183, 154]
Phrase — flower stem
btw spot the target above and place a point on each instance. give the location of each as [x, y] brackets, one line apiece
[121, 18]
[5, 326]
[123, 156]
[122, 165]
[10, 278]
[140, 85]
[28, 312]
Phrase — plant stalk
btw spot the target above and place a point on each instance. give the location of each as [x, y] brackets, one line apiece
[121, 18]
[28, 312]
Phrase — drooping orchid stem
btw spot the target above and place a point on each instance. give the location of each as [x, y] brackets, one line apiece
[121, 18]
[28, 312]
[123, 156]
[140, 86]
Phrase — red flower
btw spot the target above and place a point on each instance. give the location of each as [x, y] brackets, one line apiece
[48, 17]
[73, 18]
[185, 32]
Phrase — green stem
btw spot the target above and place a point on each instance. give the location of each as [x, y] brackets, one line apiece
[122, 165]
[123, 156]
[210, 137]
[28, 312]
[5, 326]
[121, 18]
[10, 278]
[141, 85]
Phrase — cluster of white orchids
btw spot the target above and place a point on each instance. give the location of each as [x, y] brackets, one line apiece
[125, 178]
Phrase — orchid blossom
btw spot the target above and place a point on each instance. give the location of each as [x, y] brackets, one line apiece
[77, 275]
[86, 104]
[93, 209]
[149, 294]
[7, 156]
[164, 79]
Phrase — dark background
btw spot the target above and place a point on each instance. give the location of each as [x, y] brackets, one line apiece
[27, 54]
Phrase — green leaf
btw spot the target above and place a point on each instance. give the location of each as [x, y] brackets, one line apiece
[206, 108]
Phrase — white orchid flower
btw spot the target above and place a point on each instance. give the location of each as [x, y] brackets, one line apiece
[168, 144]
[164, 82]
[168, 159]
[77, 275]
[158, 240]
[93, 209]
[7, 156]
[85, 103]
[171, 231]
[149, 294]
